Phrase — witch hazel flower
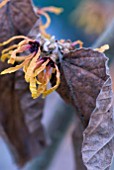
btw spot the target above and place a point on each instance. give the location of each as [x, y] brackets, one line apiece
[39, 58]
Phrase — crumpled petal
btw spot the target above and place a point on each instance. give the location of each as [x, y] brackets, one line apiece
[5, 56]
[33, 87]
[10, 52]
[31, 67]
[40, 69]
[13, 69]
[17, 67]
[12, 39]
[6, 50]
[45, 93]
[46, 78]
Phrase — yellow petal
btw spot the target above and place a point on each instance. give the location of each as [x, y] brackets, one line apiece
[103, 48]
[46, 25]
[9, 48]
[24, 42]
[21, 58]
[5, 56]
[13, 57]
[43, 12]
[57, 83]
[12, 69]
[25, 67]
[12, 39]
[4, 3]
[40, 78]
[41, 68]
[28, 60]
[31, 66]
[78, 42]
[53, 9]
[33, 87]
[44, 79]
[36, 92]
[43, 32]
[41, 89]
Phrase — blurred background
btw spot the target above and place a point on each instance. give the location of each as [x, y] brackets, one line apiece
[91, 21]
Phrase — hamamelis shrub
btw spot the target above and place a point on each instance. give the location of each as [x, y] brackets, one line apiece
[41, 58]
[80, 75]
[42, 55]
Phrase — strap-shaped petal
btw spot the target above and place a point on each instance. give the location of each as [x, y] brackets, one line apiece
[41, 68]
[20, 49]
[6, 50]
[44, 78]
[5, 56]
[12, 39]
[45, 93]
[103, 48]
[43, 12]
[33, 87]
[53, 9]
[13, 69]
[31, 66]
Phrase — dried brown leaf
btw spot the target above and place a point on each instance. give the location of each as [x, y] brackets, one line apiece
[16, 17]
[20, 115]
[98, 137]
[22, 14]
[83, 74]
[86, 84]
